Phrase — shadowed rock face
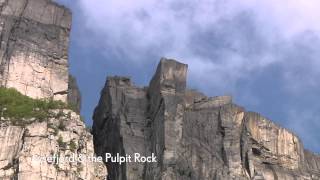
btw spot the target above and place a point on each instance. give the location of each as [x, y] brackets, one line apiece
[34, 37]
[193, 136]
[74, 95]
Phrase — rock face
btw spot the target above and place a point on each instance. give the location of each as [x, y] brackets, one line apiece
[194, 137]
[74, 95]
[34, 37]
[63, 135]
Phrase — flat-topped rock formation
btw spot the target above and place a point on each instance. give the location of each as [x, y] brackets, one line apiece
[34, 47]
[194, 137]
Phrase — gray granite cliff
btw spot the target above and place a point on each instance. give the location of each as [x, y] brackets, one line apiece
[194, 137]
[34, 40]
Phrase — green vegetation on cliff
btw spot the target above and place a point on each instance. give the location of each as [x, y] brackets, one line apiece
[18, 107]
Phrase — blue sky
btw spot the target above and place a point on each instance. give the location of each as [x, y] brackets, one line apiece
[265, 53]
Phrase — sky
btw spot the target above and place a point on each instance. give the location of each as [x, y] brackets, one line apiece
[265, 53]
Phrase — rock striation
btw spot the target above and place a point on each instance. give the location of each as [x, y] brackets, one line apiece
[62, 135]
[194, 137]
[34, 37]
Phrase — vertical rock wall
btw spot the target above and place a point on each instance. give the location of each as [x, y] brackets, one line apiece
[34, 37]
[165, 111]
[74, 95]
[121, 121]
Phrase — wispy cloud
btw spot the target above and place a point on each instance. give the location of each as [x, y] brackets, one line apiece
[226, 39]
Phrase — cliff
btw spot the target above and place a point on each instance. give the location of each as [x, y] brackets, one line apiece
[74, 95]
[194, 137]
[34, 37]
[38, 149]
[40, 138]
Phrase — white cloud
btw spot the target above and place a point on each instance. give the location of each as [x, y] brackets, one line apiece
[287, 17]
[133, 29]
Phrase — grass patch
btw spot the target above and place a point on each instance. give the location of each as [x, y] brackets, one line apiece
[72, 146]
[61, 143]
[18, 106]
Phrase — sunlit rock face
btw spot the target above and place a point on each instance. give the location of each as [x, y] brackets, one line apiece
[34, 47]
[62, 135]
[194, 137]
[34, 37]
[273, 143]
